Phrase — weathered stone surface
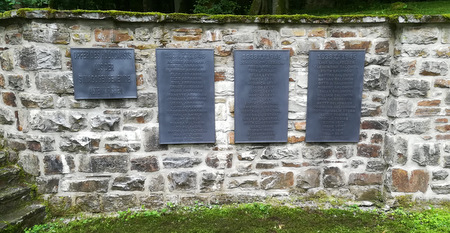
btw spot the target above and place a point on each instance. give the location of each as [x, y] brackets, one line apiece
[369, 151]
[333, 177]
[243, 184]
[122, 147]
[399, 108]
[344, 152]
[117, 202]
[29, 163]
[145, 164]
[288, 32]
[81, 104]
[446, 161]
[156, 183]
[104, 163]
[382, 47]
[267, 39]
[6, 61]
[6, 116]
[16, 82]
[46, 33]
[219, 160]
[128, 183]
[429, 103]
[139, 116]
[401, 182]
[247, 155]
[9, 98]
[55, 83]
[37, 58]
[182, 181]
[431, 68]
[85, 185]
[105, 123]
[308, 179]
[375, 78]
[440, 175]
[36, 101]
[89, 203]
[419, 35]
[441, 189]
[79, 143]
[376, 166]
[212, 181]
[238, 38]
[277, 154]
[17, 145]
[112, 36]
[266, 165]
[276, 180]
[375, 124]
[363, 179]
[13, 38]
[58, 164]
[408, 126]
[151, 140]
[404, 67]
[426, 154]
[316, 152]
[358, 45]
[152, 201]
[412, 88]
[47, 185]
[116, 103]
[181, 162]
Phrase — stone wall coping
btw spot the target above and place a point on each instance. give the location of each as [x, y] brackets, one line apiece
[155, 17]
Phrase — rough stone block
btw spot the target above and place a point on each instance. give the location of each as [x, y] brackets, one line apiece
[6, 116]
[399, 108]
[432, 68]
[79, 143]
[277, 180]
[128, 183]
[13, 38]
[382, 47]
[409, 126]
[271, 153]
[29, 163]
[145, 164]
[85, 185]
[364, 179]
[58, 164]
[401, 182]
[138, 116]
[7, 61]
[16, 82]
[89, 203]
[55, 83]
[317, 32]
[239, 38]
[153, 201]
[344, 152]
[9, 98]
[181, 162]
[358, 45]
[443, 128]
[182, 181]
[46, 33]
[429, 103]
[403, 67]
[47, 185]
[105, 123]
[146, 100]
[37, 58]
[156, 183]
[289, 32]
[219, 160]
[440, 175]
[151, 140]
[376, 78]
[36, 101]
[266, 165]
[267, 39]
[212, 181]
[446, 161]
[333, 177]
[243, 184]
[316, 152]
[426, 112]
[117, 202]
[2, 81]
[412, 88]
[375, 124]
[341, 33]
[122, 147]
[104, 163]
[369, 151]
[112, 36]
[441, 188]
[419, 35]
[308, 179]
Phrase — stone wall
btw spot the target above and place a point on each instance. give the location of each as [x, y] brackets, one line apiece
[104, 155]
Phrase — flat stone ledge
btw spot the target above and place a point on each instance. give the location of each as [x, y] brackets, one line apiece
[155, 17]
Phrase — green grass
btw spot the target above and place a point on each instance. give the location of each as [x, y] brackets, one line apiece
[421, 8]
[258, 218]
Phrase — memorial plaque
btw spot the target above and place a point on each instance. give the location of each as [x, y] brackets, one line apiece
[335, 82]
[261, 90]
[185, 95]
[100, 73]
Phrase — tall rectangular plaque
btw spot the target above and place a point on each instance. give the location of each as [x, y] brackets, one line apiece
[185, 95]
[100, 73]
[335, 82]
[261, 95]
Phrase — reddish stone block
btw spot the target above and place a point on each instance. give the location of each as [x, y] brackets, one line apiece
[317, 32]
[223, 52]
[363, 179]
[443, 83]
[376, 138]
[34, 146]
[300, 126]
[294, 139]
[2, 81]
[443, 137]
[382, 47]
[418, 181]
[369, 151]
[340, 34]
[357, 45]
[139, 80]
[189, 31]
[443, 128]
[265, 42]
[231, 137]
[291, 51]
[145, 164]
[9, 98]
[331, 45]
[277, 180]
[219, 76]
[109, 35]
[427, 111]
[429, 103]
[187, 38]
[375, 124]
[441, 120]
[266, 165]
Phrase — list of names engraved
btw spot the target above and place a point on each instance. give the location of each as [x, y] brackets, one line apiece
[103, 73]
[261, 95]
[334, 95]
[185, 95]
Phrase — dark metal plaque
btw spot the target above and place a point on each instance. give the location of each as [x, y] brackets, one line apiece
[100, 73]
[335, 81]
[261, 90]
[185, 95]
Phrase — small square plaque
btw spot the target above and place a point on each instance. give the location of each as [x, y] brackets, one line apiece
[261, 90]
[100, 73]
[185, 95]
[335, 82]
